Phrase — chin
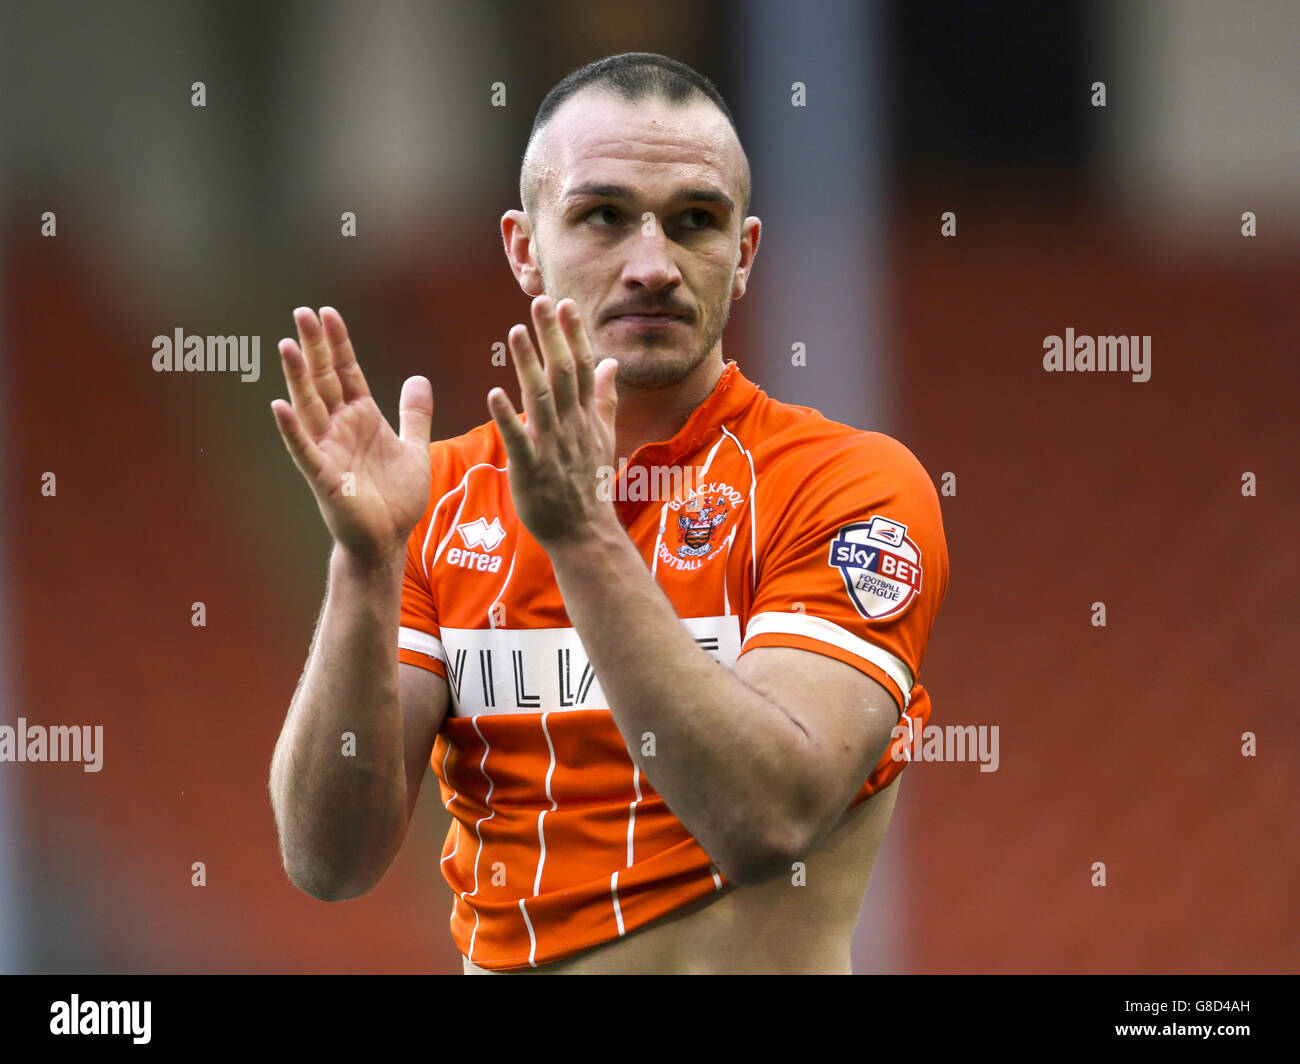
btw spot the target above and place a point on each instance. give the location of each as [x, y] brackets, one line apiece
[654, 369]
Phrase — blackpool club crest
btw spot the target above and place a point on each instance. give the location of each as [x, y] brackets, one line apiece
[696, 523]
[880, 564]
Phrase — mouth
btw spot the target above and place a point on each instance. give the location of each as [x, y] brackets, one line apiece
[647, 320]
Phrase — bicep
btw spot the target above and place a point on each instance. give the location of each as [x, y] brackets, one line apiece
[847, 716]
[424, 698]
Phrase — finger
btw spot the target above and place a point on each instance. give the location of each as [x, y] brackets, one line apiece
[415, 410]
[519, 449]
[583, 357]
[319, 362]
[346, 367]
[605, 389]
[533, 385]
[306, 455]
[560, 368]
[307, 404]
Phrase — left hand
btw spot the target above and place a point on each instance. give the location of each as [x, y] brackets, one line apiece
[556, 456]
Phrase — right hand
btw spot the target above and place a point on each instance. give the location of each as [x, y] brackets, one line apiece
[334, 427]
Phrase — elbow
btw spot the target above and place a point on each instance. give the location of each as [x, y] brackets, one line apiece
[311, 880]
[321, 872]
[762, 858]
[314, 887]
[337, 874]
[318, 882]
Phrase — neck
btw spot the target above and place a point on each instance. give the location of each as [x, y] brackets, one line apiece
[651, 416]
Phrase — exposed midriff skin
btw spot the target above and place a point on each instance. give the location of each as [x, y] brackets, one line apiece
[771, 928]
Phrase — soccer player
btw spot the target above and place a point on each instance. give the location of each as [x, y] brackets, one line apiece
[667, 704]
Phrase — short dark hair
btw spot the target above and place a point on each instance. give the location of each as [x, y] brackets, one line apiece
[632, 76]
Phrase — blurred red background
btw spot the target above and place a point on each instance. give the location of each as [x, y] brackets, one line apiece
[1119, 744]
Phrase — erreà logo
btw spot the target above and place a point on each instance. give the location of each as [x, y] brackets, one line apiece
[881, 566]
[478, 533]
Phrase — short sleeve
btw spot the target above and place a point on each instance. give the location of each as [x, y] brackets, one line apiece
[419, 639]
[856, 564]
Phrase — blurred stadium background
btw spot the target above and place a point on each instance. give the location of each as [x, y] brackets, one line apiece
[1118, 744]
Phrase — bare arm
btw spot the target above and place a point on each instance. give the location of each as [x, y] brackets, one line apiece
[347, 767]
[356, 741]
[758, 763]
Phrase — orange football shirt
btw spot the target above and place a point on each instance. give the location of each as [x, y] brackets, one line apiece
[765, 524]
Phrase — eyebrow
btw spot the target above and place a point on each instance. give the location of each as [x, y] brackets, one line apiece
[695, 195]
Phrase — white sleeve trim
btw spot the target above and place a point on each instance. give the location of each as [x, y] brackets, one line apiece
[827, 632]
[421, 643]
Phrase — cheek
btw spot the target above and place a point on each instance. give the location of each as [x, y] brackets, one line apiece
[717, 265]
[719, 279]
[570, 273]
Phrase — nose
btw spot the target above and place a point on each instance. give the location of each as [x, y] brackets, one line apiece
[650, 261]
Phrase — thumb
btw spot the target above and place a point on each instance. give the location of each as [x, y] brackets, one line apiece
[415, 409]
[606, 388]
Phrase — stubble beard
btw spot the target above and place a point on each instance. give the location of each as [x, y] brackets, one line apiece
[657, 366]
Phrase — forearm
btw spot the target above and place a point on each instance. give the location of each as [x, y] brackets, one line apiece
[341, 811]
[726, 758]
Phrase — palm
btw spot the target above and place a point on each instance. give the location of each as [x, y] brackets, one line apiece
[371, 484]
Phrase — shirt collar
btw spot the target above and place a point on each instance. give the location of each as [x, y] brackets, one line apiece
[732, 393]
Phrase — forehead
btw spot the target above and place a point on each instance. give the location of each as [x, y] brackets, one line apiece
[649, 144]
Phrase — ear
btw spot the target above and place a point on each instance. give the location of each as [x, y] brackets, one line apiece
[517, 233]
[749, 232]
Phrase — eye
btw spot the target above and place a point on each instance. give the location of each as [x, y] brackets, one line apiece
[603, 216]
[697, 219]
